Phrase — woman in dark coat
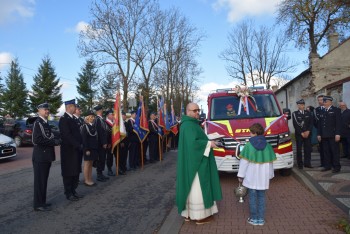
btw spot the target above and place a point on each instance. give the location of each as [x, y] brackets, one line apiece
[90, 147]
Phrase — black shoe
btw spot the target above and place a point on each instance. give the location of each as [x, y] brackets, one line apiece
[47, 204]
[105, 177]
[110, 173]
[309, 166]
[77, 195]
[300, 167]
[335, 170]
[101, 178]
[326, 169]
[42, 208]
[72, 198]
[121, 173]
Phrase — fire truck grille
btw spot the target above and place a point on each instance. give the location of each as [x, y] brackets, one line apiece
[231, 144]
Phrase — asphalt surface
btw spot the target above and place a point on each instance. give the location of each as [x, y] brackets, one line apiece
[135, 203]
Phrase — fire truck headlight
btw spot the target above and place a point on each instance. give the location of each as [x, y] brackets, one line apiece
[284, 137]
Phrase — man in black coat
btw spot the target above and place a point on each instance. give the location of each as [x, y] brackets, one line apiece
[101, 129]
[345, 129]
[80, 122]
[318, 114]
[43, 156]
[303, 123]
[328, 132]
[134, 142]
[109, 157]
[123, 150]
[71, 148]
[153, 138]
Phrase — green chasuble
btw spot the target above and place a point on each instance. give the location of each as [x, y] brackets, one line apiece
[191, 160]
[258, 156]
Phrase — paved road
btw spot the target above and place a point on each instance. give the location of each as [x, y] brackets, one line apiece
[136, 203]
[21, 161]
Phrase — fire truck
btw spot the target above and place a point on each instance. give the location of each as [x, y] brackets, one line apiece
[230, 114]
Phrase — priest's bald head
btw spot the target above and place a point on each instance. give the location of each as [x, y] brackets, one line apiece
[192, 110]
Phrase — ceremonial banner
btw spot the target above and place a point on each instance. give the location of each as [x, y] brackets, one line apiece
[173, 122]
[118, 129]
[141, 123]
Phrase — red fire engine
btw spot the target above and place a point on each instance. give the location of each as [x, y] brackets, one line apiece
[230, 114]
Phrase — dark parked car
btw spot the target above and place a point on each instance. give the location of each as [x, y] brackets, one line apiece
[23, 130]
[7, 147]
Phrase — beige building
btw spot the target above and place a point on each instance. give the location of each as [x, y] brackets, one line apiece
[327, 75]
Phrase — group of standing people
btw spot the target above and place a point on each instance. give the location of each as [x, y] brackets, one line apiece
[330, 125]
[86, 141]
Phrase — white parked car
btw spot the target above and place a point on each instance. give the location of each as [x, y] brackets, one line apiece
[7, 147]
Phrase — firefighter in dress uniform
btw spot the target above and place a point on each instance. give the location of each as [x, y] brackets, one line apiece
[153, 138]
[134, 142]
[109, 157]
[43, 156]
[329, 127]
[71, 149]
[303, 122]
[318, 114]
[80, 121]
[123, 150]
[102, 133]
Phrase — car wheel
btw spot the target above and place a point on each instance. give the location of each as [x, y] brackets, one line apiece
[18, 141]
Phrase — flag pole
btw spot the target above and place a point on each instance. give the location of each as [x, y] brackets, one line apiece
[117, 161]
[160, 148]
[141, 155]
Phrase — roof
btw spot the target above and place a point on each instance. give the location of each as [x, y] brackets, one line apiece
[301, 75]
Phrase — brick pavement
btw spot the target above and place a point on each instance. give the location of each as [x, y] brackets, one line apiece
[291, 208]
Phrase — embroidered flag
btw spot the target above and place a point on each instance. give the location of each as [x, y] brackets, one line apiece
[118, 128]
[141, 123]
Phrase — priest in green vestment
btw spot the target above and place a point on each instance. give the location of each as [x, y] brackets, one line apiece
[197, 181]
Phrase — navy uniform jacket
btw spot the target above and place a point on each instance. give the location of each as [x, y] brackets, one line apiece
[329, 125]
[132, 136]
[345, 123]
[44, 142]
[318, 114]
[89, 135]
[109, 127]
[70, 146]
[302, 122]
[101, 129]
[79, 121]
[153, 128]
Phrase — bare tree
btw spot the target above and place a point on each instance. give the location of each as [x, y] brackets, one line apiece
[113, 36]
[255, 56]
[180, 49]
[308, 21]
[150, 53]
[238, 54]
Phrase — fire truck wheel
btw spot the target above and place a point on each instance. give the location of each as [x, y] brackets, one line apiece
[286, 172]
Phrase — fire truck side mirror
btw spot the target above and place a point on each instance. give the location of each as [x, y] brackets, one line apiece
[287, 112]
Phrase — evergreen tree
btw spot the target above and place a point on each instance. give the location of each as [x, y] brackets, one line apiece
[15, 97]
[108, 92]
[46, 87]
[87, 85]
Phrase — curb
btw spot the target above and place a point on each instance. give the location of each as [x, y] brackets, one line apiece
[172, 223]
[306, 181]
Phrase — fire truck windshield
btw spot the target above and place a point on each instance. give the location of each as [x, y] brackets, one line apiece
[233, 107]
